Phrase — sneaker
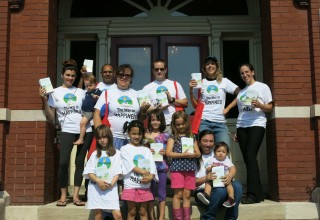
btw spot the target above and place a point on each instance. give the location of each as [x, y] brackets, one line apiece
[229, 203]
[204, 198]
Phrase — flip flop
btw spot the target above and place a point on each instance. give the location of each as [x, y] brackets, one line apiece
[79, 203]
[61, 203]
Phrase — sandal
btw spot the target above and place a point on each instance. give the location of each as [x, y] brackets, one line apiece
[79, 203]
[61, 203]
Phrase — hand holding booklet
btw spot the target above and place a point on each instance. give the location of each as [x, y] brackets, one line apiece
[219, 172]
[187, 144]
[157, 157]
[45, 83]
[89, 65]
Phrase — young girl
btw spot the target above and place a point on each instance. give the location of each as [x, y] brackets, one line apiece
[103, 169]
[156, 134]
[139, 170]
[221, 151]
[183, 165]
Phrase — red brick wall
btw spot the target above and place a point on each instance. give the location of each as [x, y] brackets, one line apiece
[30, 149]
[287, 68]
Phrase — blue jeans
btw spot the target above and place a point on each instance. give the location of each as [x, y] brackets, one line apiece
[218, 197]
[118, 142]
[219, 129]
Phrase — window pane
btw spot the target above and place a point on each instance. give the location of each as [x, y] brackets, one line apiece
[140, 60]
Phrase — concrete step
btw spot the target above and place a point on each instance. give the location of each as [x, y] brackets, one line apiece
[266, 210]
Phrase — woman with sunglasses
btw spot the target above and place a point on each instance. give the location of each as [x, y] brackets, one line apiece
[122, 104]
[212, 96]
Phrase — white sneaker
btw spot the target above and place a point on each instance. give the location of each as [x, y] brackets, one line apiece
[204, 198]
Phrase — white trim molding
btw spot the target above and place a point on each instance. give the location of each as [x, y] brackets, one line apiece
[291, 112]
[315, 110]
[22, 115]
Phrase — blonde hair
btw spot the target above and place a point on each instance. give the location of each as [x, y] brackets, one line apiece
[218, 74]
[185, 117]
[90, 77]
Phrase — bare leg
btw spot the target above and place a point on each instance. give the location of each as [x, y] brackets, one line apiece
[83, 124]
[150, 210]
[176, 202]
[143, 211]
[132, 210]
[162, 208]
[98, 215]
[117, 214]
[230, 191]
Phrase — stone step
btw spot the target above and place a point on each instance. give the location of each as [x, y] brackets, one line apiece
[266, 210]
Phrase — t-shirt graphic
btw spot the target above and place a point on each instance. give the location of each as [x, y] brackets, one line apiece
[212, 89]
[103, 169]
[125, 101]
[69, 99]
[161, 89]
[140, 161]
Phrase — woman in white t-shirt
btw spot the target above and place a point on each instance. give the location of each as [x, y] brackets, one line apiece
[65, 102]
[122, 104]
[253, 102]
[213, 97]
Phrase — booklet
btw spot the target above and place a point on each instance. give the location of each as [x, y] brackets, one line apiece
[250, 96]
[144, 164]
[157, 157]
[103, 173]
[197, 77]
[46, 84]
[187, 144]
[219, 170]
[162, 99]
[89, 65]
[143, 96]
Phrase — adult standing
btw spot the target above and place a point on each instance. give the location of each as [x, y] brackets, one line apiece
[253, 102]
[175, 93]
[218, 195]
[66, 102]
[122, 104]
[213, 97]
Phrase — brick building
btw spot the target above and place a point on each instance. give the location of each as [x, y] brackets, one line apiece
[279, 37]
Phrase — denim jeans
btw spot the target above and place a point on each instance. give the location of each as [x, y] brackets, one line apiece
[218, 196]
[118, 142]
[219, 129]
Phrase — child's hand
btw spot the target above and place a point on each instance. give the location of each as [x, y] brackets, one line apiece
[226, 179]
[145, 173]
[186, 154]
[108, 185]
[147, 179]
[211, 176]
[162, 152]
[152, 150]
[96, 97]
[102, 184]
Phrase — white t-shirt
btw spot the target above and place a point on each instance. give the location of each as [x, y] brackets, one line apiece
[203, 166]
[97, 198]
[131, 155]
[248, 115]
[68, 102]
[156, 87]
[123, 106]
[226, 163]
[103, 86]
[213, 95]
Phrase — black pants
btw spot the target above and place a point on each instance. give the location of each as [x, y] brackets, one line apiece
[66, 145]
[250, 140]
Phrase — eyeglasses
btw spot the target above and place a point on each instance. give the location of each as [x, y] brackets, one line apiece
[107, 71]
[157, 69]
[121, 75]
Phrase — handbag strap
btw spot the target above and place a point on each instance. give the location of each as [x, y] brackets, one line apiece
[106, 113]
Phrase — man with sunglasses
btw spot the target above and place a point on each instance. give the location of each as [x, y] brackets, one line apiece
[175, 94]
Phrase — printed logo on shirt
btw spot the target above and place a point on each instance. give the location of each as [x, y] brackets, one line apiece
[104, 161]
[125, 101]
[211, 89]
[161, 89]
[69, 99]
[136, 159]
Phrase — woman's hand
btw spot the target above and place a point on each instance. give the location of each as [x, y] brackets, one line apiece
[193, 83]
[42, 93]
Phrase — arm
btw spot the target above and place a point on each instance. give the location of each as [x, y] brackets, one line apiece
[100, 182]
[96, 118]
[197, 152]
[232, 173]
[171, 154]
[140, 171]
[83, 72]
[143, 111]
[193, 99]
[50, 111]
[264, 107]
[230, 106]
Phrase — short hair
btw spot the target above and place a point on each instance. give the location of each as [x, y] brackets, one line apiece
[221, 144]
[122, 67]
[90, 77]
[159, 61]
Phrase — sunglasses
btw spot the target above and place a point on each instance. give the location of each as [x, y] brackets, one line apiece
[121, 75]
[107, 71]
[157, 69]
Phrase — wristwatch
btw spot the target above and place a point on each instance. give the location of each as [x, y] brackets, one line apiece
[173, 99]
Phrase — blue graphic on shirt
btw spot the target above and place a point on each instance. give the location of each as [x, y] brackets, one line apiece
[212, 89]
[125, 101]
[161, 89]
[69, 98]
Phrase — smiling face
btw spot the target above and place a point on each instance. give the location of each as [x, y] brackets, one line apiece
[68, 78]
[211, 69]
[135, 136]
[159, 71]
[124, 78]
[206, 144]
[107, 74]
[247, 75]
[155, 123]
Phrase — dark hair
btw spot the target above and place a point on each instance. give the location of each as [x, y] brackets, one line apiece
[185, 117]
[159, 61]
[200, 136]
[104, 66]
[127, 126]
[122, 67]
[69, 64]
[104, 131]
[221, 144]
[250, 66]
[160, 116]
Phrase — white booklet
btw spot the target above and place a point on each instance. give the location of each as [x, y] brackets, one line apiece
[162, 99]
[46, 84]
[89, 65]
[144, 164]
[157, 147]
[197, 77]
[219, 170]
[187, 144]
[143, 96]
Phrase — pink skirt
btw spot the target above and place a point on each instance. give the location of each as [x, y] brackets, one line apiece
[137, 195]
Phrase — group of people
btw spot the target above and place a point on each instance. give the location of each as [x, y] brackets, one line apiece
[123, 148]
